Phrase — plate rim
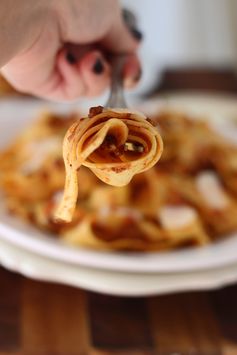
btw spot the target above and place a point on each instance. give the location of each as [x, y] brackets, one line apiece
[112, 283]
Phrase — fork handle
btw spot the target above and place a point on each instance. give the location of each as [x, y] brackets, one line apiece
[116, 97]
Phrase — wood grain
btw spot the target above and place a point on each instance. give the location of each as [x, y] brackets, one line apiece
[184, 323]
[10, 311]
[225, 305]
[119, 323]
[54, 319]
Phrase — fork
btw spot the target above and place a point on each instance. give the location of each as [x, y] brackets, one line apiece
[116, 98]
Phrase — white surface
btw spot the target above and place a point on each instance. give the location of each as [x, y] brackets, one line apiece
[24, 236]
[113, 283]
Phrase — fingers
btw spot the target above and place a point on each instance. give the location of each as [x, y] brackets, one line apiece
[85, 21]
[90, 21]
[132, 71]
[91, 68]
[121, 39]
[71, 84]
[72, 78]
[88, 76]
[95, 72]
[124, 39]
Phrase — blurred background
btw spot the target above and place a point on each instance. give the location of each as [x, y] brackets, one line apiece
[198, 36]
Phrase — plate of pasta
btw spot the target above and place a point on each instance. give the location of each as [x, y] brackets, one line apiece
[177, 212]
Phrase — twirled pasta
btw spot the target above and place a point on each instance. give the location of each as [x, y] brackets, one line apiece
[115, 144]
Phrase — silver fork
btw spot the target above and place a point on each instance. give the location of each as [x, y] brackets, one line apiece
[116, 98]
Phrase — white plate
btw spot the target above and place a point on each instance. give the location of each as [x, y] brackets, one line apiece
[18, 113]
[112, 282]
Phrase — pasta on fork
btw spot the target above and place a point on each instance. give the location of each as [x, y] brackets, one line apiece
[115, 144]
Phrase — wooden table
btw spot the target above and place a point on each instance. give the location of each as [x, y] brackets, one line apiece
[38, 318]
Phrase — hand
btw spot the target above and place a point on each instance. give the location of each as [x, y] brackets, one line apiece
[66, 58]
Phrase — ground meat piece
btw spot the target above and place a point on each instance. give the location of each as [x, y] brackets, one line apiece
[95, 111]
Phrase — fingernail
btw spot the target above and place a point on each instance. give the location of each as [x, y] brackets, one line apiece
[98, 67]
[136, 34]
[70, 58]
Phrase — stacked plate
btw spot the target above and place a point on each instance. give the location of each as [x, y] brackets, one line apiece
[34, 254]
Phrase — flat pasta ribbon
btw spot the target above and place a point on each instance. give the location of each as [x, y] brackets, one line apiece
[115, 144]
